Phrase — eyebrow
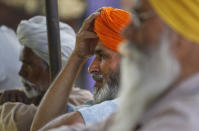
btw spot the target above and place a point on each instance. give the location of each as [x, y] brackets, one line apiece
[25, 61]
[98, 52]
[101, 53]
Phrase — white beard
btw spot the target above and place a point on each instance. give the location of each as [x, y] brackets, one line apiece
[32, 92]
[144, 78]
[105, 93]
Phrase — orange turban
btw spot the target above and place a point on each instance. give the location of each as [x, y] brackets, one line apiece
[109, 24]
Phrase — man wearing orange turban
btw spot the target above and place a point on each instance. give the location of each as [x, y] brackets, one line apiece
[99, 36]
[160, 72]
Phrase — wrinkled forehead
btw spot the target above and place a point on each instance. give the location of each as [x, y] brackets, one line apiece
[102, 48]
[136, 3]
[25, 52]
[142, 5]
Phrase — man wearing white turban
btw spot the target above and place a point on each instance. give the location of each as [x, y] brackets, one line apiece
[32, 35]
[9, 53]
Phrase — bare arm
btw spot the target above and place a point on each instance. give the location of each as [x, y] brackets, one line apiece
[54, 102]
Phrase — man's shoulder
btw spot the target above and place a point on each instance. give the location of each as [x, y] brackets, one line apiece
[98, 112]
[179, 107]
[15, 115]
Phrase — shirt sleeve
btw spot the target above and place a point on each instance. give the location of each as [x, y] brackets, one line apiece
[98, 112]
[16, 116]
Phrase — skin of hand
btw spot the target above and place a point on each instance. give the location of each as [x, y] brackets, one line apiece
[86, 39]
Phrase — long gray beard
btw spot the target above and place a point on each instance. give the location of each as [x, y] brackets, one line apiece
[144, 78]
[109, 91]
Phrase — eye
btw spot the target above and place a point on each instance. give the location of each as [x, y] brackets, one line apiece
[144, 15]
[138, 15]
[27, 67]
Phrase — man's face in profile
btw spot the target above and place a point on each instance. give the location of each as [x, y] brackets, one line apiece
[34, 72]
[105, 72]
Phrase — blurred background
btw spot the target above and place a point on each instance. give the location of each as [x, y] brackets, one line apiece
[72, 12]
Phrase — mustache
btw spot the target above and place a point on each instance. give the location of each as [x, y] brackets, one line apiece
[97, 76]
[30, 91]
[25, 81]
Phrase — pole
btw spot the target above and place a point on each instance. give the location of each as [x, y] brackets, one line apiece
[54, 48]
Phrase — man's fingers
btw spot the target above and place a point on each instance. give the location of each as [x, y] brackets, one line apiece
[100, 9]
[89, 21]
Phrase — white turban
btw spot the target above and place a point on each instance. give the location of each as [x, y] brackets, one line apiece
[32, 33]
[9, 58]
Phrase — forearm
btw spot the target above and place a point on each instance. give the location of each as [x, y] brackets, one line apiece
[54, 102]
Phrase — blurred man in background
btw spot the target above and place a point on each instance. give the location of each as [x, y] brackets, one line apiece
[9, 54]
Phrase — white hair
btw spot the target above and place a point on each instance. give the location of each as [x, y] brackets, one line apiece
[32, 33]
[145, 76]
[105, 93]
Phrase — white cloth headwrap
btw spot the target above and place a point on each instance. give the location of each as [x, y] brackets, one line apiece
[32, 33]
[9, 57]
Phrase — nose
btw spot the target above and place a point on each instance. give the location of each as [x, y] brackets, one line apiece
[22, 71]
[94, 66]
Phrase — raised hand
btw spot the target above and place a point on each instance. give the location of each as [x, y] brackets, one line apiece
[86, 39]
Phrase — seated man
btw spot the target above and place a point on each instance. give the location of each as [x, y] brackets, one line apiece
[160, 70]
[35, 74]
[104, 68]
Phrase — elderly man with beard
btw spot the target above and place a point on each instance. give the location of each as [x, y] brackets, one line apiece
[104, 68]
[159, 70]
[32, 34]
[162, 51]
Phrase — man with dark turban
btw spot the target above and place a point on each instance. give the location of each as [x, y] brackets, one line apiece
[160, 70]
[99, 36]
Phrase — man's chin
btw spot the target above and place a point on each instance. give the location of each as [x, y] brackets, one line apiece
[98, 85]
[104, 93]
[31, 92]
[27, 87]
